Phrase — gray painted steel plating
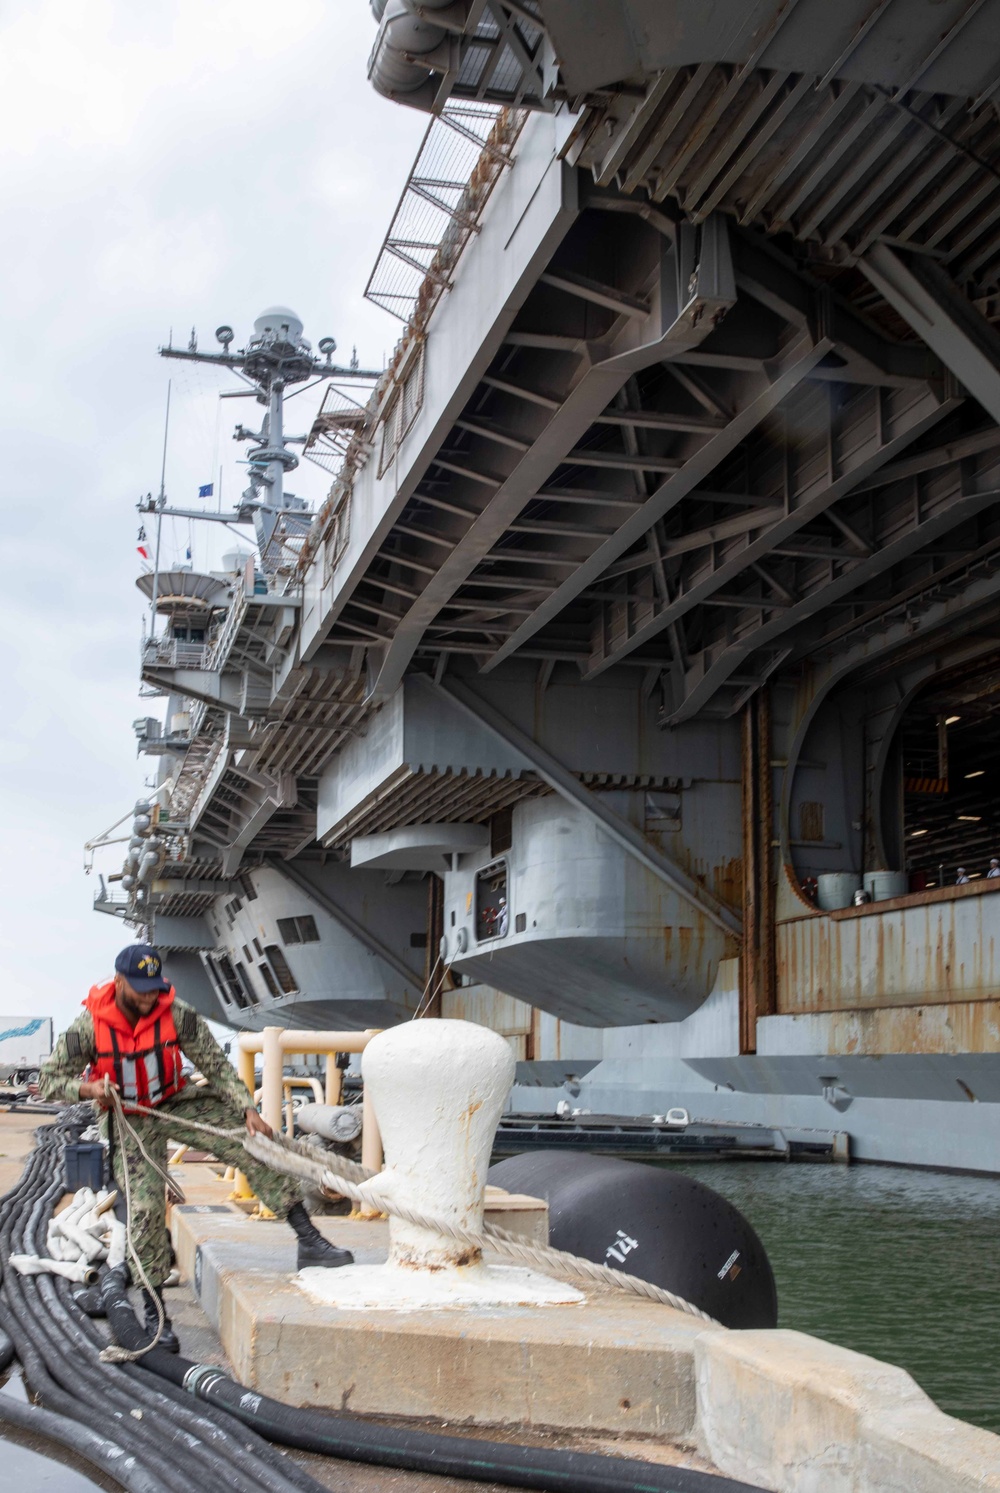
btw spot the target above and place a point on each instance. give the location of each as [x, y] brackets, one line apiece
[639, 463]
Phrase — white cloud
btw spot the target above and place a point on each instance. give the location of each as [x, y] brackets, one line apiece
[164, 165]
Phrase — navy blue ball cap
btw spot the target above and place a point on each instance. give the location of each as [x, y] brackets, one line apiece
[142, 967]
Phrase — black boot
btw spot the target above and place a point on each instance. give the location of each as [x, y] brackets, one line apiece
[313, 1248]
[150, 1320]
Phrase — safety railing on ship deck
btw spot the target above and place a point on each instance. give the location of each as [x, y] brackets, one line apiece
[173, 653]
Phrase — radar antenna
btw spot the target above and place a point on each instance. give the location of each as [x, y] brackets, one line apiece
[275, 357]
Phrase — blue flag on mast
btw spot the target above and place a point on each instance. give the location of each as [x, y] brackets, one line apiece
[207, 490]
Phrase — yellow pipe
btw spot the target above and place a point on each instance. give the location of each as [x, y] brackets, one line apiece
[245, 1067]
[242, 1191]
[292, 1040]
[273, 1042]
[371, 1148]
[297, 1081]
[271, 1086]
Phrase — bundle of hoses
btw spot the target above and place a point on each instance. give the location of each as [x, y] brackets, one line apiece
[151, 1438]
[177, 1445]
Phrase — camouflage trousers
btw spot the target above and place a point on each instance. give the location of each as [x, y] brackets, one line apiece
[148, 1217]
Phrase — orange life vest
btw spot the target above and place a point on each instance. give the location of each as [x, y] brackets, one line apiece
[144, 1060]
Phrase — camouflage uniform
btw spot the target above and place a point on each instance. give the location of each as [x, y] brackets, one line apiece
[223, 1103]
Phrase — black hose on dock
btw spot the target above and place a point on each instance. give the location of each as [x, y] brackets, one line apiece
[60, 1389]
[155, 1440]
[86, 1444]
[356, 1439]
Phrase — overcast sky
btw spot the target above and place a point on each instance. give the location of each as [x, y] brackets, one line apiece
[169, 164]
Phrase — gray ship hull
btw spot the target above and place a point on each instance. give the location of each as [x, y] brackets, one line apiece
[636, 689]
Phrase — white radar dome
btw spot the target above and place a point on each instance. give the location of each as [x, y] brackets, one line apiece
[277, 320]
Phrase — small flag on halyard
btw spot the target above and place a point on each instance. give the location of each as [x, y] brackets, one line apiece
[144, 552]
[207, 490]
[189, 554]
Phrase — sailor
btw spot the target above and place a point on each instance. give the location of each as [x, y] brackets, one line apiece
[503, 920]
[131, 1036]
[962, 876]
[994, 869]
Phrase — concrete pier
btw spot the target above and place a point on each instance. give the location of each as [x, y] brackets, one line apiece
[778, 1409]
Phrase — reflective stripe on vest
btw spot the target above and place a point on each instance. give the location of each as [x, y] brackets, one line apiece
[140, 1076]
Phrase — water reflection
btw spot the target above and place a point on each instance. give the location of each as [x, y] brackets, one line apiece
[896, 1263]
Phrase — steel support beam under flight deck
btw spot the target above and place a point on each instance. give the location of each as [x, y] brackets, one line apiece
[931, 303]
[559, 778]
[692, 300]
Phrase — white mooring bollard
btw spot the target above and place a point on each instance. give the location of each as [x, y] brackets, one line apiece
[438, 1088]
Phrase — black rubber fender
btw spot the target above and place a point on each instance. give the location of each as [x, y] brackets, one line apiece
[654, 1222]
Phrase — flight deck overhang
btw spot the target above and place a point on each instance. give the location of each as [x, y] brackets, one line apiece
[539, 54]
[702, 398]
[686, 446]
[527, 216]
[843, 125]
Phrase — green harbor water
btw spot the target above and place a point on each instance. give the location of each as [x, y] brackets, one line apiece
[903, 1265]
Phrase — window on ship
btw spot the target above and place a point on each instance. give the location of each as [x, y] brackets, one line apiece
[298, 930]
[282, 972]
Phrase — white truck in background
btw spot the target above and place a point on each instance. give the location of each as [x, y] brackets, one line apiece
[25, 1043]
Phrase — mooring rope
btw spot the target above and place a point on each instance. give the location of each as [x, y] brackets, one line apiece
[113, 1353]
[338, 1175]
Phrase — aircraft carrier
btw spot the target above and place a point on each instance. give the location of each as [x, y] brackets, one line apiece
[635, 689]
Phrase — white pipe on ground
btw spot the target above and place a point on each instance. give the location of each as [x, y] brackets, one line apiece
[76, 1270]
[90, 1248]
[116, 1249]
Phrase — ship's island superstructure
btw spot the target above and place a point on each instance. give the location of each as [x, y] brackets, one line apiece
[655, 606]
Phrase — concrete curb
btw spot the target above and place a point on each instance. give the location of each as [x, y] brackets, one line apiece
[799, 1415]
